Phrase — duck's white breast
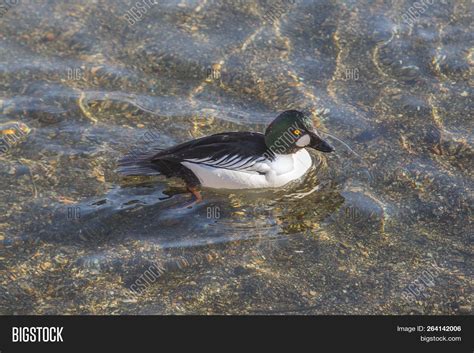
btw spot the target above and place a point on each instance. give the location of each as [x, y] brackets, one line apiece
[266, 174]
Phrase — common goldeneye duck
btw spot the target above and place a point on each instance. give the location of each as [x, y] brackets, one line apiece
[236, 160]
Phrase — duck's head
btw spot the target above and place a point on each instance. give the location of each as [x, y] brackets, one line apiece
[292, 130]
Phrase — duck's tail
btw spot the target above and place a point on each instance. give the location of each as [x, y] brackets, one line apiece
[137, 165]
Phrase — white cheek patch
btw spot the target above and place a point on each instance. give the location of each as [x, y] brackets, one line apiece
[303, 141]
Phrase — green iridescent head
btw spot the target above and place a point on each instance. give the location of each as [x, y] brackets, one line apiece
[292, 130]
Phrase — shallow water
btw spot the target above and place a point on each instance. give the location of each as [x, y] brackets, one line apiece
[350, 238]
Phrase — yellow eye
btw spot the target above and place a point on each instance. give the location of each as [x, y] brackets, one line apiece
[297, 132]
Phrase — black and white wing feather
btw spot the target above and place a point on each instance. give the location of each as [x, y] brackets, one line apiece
[240, 151]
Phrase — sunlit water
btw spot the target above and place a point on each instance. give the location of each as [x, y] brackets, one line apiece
[90, 82]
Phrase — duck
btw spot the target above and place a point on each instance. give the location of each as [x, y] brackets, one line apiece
[236, 160]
